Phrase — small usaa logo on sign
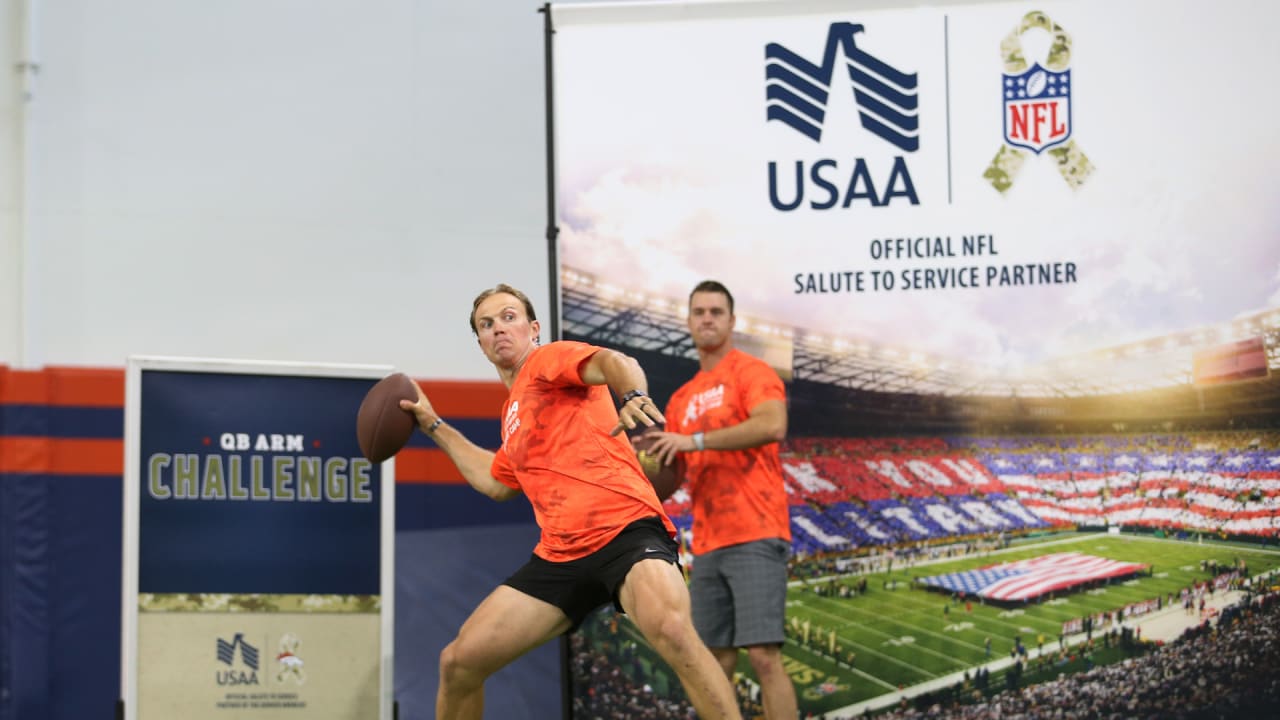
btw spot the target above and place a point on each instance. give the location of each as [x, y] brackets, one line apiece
[244, 672]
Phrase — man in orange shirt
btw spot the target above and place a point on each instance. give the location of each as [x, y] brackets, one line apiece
[724, 426]
[604, 534]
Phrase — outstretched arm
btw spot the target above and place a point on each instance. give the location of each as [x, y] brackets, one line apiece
[471, 460]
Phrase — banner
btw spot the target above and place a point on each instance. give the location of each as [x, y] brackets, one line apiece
[982, 192]
[981, 242]
[258, 544]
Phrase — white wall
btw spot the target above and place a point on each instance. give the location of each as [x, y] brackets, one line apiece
[10, 176]
[273, 179]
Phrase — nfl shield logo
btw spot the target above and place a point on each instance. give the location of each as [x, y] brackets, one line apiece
[1037, 108]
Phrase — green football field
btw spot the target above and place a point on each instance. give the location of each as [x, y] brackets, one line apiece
[902, 636]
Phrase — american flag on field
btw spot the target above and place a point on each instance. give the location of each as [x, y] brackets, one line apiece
[1031, 578]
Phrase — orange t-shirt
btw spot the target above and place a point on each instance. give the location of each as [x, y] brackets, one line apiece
[738, 495]
[585, 485]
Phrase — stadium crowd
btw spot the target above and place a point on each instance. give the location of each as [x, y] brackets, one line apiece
[1230, 668]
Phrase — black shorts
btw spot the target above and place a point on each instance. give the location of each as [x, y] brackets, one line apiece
[579, 586]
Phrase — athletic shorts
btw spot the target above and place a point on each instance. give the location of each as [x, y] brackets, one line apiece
[740, 594]
[579, 586]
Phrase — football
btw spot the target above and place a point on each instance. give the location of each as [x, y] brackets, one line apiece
[1036, 84]
[666, 479]
[382, 428]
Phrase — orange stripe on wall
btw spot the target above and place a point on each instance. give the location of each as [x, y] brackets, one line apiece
[465, 399]
[86, 387]
[88, 457]
[63, 387]
[25, 454]
[426, 465]
[25, 387]
[104, 387]
[53, 456]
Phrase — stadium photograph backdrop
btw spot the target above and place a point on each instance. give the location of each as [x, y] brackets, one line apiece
[259, 543]
[944, 223]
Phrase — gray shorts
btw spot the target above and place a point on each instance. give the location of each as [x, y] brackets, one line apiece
[740, 594]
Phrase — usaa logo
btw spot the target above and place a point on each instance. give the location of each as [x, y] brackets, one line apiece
[887, 99]
[247, 672]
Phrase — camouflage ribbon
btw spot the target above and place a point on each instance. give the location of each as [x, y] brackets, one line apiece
[257, 603]
[1073, 165]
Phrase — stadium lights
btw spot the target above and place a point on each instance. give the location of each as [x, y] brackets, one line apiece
[1153, 362]
[661, 305]
[573, 277]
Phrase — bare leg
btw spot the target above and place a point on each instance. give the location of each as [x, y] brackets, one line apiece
[655, 596]
[506, 625]
[776, 690]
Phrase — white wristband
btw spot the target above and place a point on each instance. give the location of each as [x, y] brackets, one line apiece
[699, 441]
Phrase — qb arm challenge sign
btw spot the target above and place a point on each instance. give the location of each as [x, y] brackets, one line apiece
[258, 548]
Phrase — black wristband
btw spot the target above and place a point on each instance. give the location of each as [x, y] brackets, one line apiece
[632, 395]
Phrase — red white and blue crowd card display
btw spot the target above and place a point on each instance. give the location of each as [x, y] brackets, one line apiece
[258, 544]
